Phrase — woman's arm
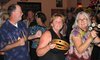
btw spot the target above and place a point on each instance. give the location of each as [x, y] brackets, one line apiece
[80, 46]
[44, 44]
[37, 35]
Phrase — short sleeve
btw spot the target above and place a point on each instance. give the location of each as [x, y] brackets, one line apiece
[75, 33]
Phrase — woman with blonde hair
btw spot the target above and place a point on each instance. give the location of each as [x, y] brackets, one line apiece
[47, 47]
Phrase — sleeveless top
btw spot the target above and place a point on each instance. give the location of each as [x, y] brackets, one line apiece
[55, 36]
[73, 53]
[54, 54]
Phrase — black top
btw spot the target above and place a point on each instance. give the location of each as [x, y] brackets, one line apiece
[69, 24]
[33, 23]
[54, 54]
[95, 53]
[55, 36]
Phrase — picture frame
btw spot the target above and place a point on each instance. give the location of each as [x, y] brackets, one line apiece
[59, 3]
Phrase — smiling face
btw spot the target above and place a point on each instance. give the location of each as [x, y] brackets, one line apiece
[57, 23]
[30, 14]
[82, 22]
[17, 14]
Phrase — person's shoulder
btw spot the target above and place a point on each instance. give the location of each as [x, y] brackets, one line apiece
[75, 32]
[2, 29]
[21, 23]
[3, 26]
[42, 28]
[47, 32]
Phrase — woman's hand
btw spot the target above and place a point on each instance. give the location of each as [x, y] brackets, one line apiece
[93, 34]
[38, 34]
[52, 46]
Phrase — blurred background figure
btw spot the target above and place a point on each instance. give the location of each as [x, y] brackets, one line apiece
[3, 17]
[40, 20]
[69, 22]
[30, 19]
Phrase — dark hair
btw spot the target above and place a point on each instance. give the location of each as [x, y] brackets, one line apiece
[11, 8]
[42, 16]
[29, 11]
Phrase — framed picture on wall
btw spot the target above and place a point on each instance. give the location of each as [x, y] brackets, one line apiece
[59, 3]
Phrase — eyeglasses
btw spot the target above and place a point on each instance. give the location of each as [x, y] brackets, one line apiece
[82, 19]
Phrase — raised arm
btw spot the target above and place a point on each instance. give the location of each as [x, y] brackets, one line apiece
[82, 46]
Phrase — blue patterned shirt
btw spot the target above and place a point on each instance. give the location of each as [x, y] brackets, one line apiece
[9, 34]
[33, 31]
